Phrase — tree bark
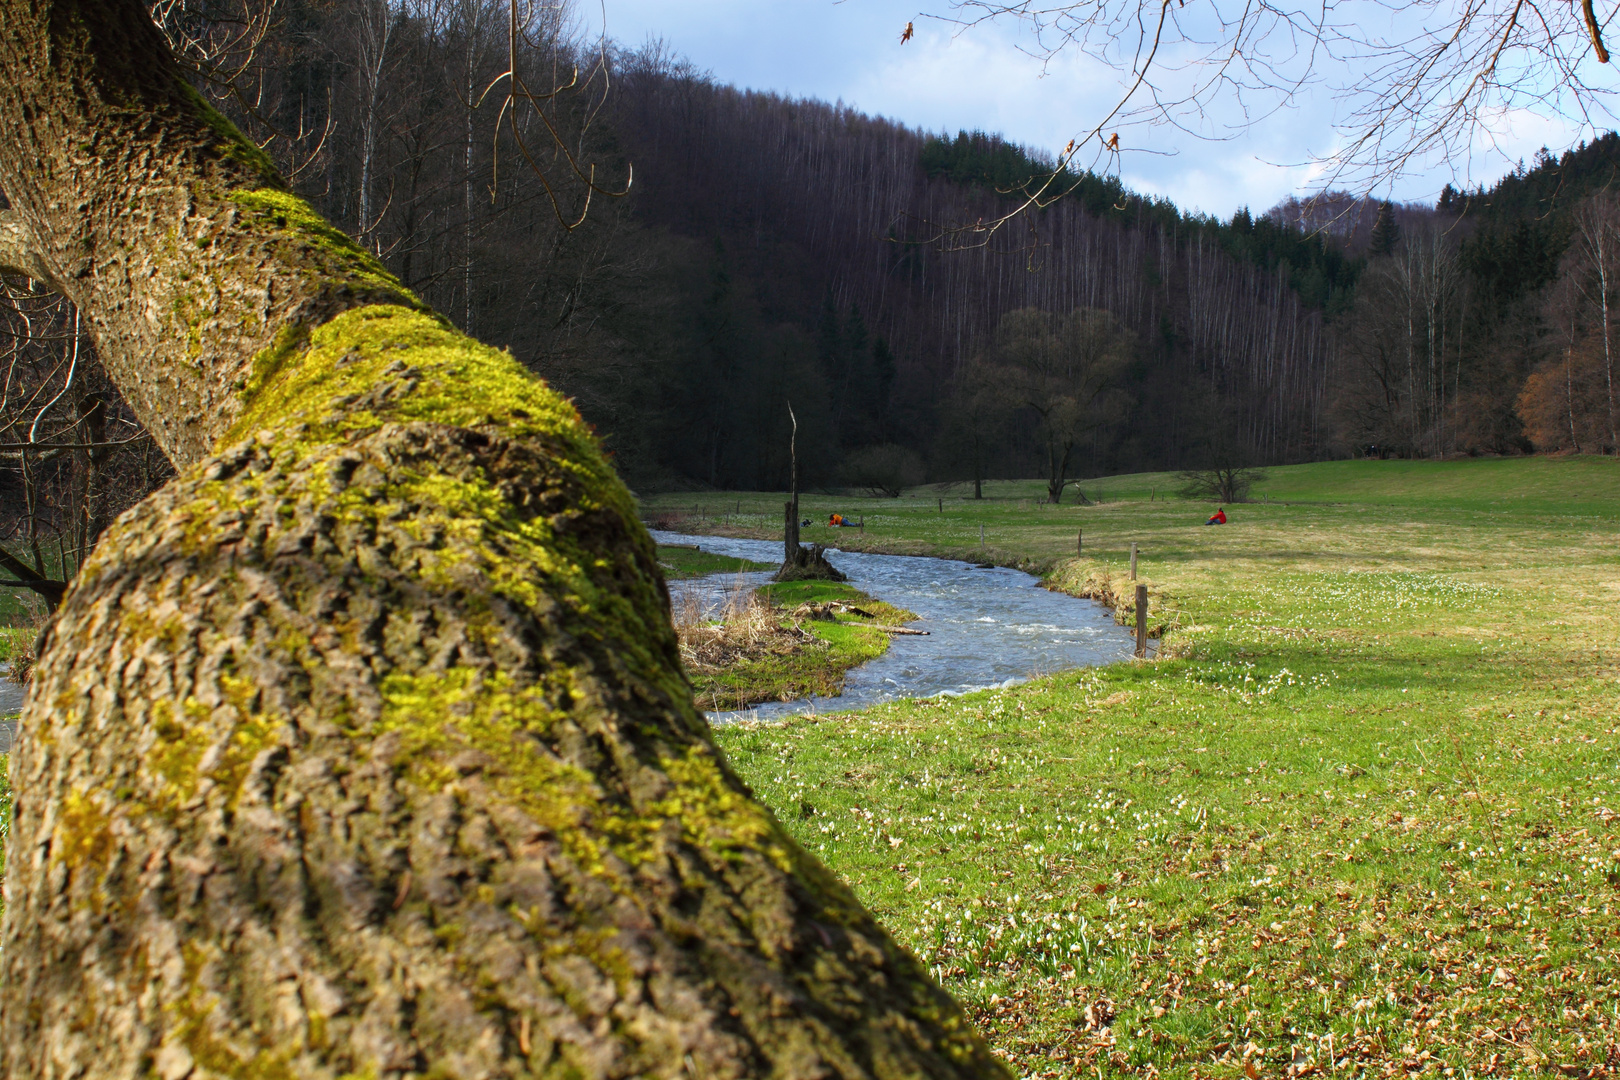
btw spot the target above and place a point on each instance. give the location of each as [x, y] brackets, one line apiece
[18, 251]
[362, 748]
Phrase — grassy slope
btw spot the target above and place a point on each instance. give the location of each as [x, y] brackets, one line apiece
[21, 606]
[1367, 819]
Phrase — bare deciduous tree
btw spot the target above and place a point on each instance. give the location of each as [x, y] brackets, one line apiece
[1061, 368]
[72, 456]
[1394, 392]
[1593, 267]
[1223, 482]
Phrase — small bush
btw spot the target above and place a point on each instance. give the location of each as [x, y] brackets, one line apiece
[1228, 485]
[883, 470]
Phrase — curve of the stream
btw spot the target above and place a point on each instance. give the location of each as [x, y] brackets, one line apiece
[986, 627]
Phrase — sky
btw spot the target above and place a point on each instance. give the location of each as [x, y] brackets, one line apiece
[985, 77]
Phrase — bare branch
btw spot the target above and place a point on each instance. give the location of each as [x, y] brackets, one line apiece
[1418, 81]
[580, 175]
[1595, 32]
[28, 578]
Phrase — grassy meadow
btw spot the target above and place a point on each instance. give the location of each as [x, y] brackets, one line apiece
[1360, 818]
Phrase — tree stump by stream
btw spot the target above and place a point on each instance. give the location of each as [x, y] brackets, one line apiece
[809, 564]
[800, 563]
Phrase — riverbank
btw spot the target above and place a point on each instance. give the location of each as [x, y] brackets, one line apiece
[681, 562]
[781, 642]
[1362, 818]
[985, 626]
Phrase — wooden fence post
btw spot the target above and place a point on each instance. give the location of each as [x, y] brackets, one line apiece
[942, 506]
[1080, 542]
[1141, 622]
[1133, 562]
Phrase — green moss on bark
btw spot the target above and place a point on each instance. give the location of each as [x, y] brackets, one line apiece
[370, 728]
[276, 211]
[83, 837]
[385, 363]
[234, 146]
[398, 666]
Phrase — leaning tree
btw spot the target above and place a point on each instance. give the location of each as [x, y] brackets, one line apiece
[362, 748]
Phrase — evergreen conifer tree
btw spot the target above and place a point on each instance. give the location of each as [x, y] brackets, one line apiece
[1385, 232]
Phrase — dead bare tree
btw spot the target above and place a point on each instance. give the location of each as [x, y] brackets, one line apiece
[1595, 271]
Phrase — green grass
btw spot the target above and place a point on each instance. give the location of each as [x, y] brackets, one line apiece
[680, 561]
[791, 594]
[815, 667]
[19, 606]
[13, 638]
[1361, 818]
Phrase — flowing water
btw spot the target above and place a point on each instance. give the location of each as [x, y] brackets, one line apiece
[985, 628]
[11, 702]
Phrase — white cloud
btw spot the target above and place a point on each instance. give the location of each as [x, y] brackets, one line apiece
[945, 79]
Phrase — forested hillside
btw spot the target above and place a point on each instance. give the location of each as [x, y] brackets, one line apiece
[774, 254]
[1483, 324]
[849, 230]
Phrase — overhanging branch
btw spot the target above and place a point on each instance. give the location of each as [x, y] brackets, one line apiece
[28, 578]
[18, 252]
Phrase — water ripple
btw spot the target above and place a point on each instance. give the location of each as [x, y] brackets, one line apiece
[987, 628]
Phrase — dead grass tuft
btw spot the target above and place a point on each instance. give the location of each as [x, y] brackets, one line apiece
[748, 628]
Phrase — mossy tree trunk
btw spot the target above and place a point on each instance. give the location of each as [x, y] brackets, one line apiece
[362, 749]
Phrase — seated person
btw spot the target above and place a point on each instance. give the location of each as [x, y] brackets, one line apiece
[1218, 519]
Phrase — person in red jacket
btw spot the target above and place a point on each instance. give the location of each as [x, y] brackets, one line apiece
[1218, 519]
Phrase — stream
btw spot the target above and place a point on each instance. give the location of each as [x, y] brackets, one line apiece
[11, 703]
[986, 627]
